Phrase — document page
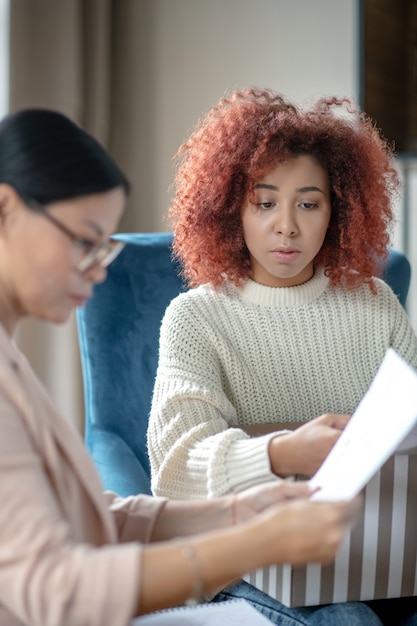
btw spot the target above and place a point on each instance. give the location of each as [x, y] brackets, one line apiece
[231, 613]
[409, 445]
[385, 416]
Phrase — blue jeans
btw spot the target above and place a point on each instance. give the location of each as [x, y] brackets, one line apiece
[343, 614]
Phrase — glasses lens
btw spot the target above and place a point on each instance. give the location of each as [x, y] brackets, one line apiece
[102, 255]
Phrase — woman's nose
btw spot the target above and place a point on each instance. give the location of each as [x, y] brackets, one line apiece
[96, 273]
[285, 223]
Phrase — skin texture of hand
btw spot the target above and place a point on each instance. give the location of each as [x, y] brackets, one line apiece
[188, 517]
[250, 502]
[310, 533]
[295, 531]
[269, 524]
[304, 450]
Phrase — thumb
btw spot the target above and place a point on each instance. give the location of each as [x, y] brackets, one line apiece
[336, 420]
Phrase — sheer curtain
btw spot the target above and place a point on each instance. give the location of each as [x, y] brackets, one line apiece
[88, 60]
[4, 56]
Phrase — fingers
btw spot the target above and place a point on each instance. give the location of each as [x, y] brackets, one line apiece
[304, 450]
[350, 509]
[334, 420]
[292, 490]
[252, 501]
[346, 517]
[340, 518]
[276, 491]
[315, 533]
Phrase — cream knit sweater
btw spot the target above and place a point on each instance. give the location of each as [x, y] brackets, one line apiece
[256, 355]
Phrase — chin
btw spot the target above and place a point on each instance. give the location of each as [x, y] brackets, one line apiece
[56, 317]
[61, 319]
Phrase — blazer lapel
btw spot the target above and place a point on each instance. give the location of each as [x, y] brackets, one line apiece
[55, 437]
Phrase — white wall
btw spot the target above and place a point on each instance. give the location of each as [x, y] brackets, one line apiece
[406, 228]
[198, 49]
[201, 48]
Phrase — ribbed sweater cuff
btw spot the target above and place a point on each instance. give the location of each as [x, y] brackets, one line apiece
[248, 463]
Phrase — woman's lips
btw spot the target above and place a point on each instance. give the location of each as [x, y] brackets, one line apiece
[288, 255]
[79, 301]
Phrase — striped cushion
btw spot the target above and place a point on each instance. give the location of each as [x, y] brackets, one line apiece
[377, 559]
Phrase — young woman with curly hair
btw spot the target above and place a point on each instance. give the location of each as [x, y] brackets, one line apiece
[281, 222]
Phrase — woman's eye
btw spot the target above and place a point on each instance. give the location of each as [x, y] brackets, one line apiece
[86, 244]
[308, 205]
[265, 205]
[89, 245]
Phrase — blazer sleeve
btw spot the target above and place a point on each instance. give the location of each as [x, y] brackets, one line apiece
[48, 576]
[134, 516]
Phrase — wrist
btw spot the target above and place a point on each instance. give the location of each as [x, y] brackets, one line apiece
[281, 456]
[233, 510]
[189, 554]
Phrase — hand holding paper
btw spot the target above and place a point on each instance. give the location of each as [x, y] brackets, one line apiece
[385, 416]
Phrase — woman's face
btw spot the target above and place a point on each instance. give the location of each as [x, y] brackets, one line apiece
[285, 224]
[39, 263]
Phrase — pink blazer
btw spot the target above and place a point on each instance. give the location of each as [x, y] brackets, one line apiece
[69, 554]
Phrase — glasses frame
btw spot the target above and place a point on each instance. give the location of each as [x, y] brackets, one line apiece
[101, 254]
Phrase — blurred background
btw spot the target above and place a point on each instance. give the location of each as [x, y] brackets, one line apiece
[138, 74]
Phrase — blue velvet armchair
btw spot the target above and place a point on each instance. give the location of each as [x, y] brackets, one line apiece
[118, 334]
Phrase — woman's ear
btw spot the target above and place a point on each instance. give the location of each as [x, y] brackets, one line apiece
[9, 201]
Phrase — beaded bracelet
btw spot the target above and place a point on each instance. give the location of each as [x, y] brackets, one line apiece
[187, 550]
[233, 509]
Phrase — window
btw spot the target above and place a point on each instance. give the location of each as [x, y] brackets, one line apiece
[389, 69]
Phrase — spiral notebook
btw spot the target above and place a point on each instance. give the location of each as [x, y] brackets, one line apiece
[232, 613]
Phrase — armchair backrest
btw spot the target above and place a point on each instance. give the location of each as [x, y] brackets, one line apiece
[119, 335]
[397, 273]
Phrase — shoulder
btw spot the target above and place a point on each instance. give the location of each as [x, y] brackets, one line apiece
[194, 295]
[197, 313]
[202, 300]
[375, 292]
[385, 294]
[375, 302]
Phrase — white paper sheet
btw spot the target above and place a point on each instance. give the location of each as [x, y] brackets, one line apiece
[383, 419]
[409, 444]
[231, 613]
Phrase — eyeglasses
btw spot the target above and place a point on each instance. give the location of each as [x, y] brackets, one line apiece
[93, 254]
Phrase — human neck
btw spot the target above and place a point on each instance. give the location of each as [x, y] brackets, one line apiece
[8, 315]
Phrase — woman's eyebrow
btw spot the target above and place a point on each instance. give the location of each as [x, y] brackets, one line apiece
[265, 186]
[298, 190]
[309, 188]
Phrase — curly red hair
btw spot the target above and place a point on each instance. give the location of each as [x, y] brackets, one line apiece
[248, 134]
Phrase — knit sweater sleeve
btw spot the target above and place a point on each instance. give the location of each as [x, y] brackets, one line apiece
[196, 449]
[403, 337]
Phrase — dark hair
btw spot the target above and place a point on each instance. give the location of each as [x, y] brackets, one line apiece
[248, 134]
[46, 157]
